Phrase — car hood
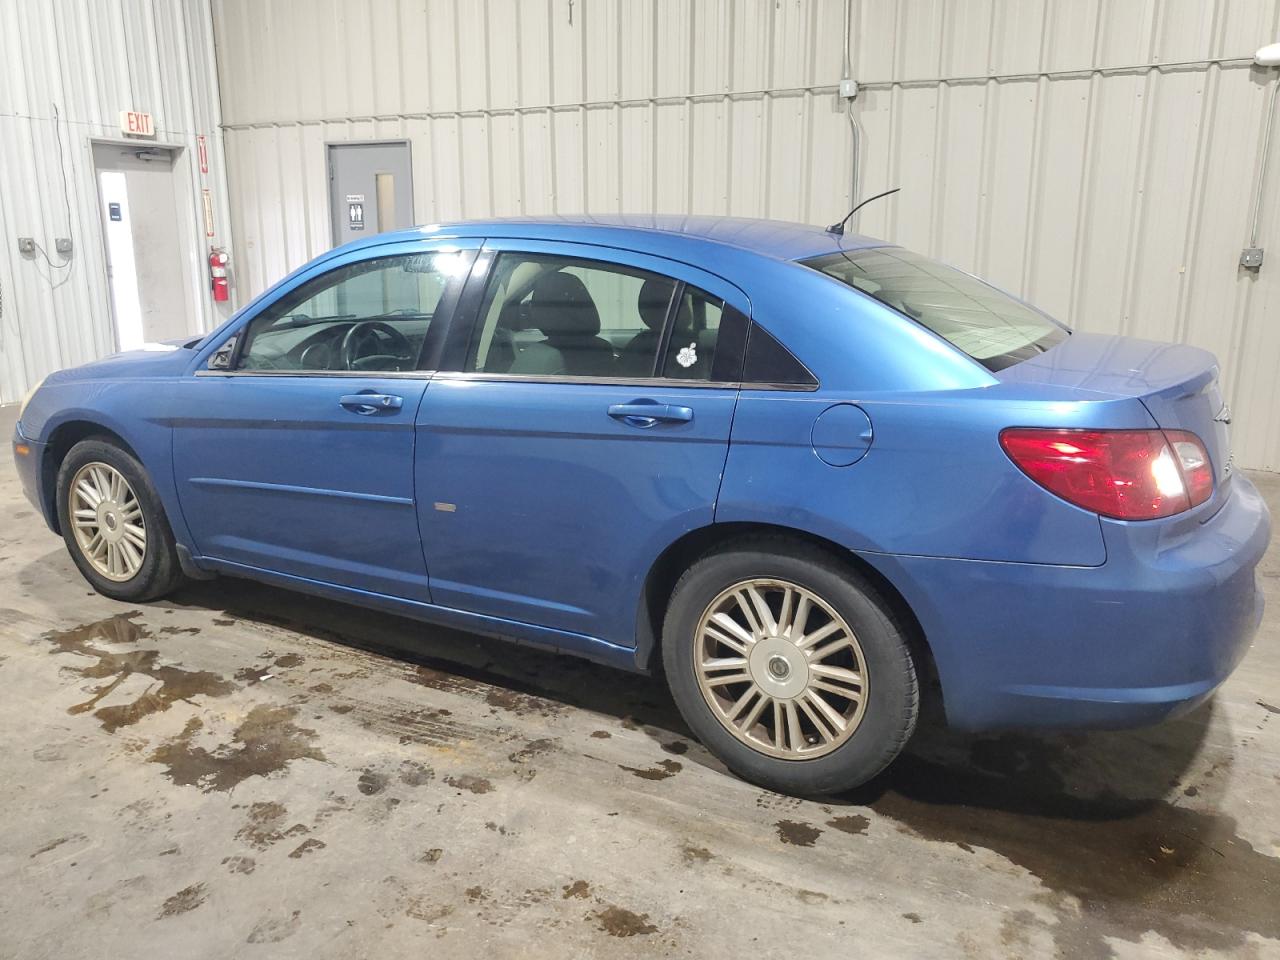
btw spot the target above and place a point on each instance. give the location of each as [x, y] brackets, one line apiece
[150, 360]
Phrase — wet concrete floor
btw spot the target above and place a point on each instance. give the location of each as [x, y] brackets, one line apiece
[241, 771]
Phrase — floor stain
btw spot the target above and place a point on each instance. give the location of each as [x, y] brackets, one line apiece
[288, 660]
[855, 824]
[601, 734]
[275, 929]
[1268, 707]
[265, 825]
[172, 683]
[1132, 866]
[467, 782]
[692, 853]
[421, 908]
[371, 783]
[431, 856]
[178, 631]
[471, 682]
[54, 844]
[415, 774]
[184, 901]
[913, 917]
[578, 890]
[664, 769]
[678, 747]
[305, 847]
[239, 864]
[532, 749]
[266, 741]
[618, 922]
[798, 833]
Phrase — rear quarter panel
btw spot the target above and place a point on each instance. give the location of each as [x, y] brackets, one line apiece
[935, 481]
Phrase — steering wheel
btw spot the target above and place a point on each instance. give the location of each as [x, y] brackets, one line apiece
[361, 336]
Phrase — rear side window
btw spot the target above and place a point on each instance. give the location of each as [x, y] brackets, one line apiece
[553, 316]
[990, 326]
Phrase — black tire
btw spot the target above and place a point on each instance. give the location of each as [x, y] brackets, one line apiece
[159, 572]
[892, 703]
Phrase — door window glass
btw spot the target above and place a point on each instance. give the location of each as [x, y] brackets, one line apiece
[694, 332]
[371, 315]
[562, 316]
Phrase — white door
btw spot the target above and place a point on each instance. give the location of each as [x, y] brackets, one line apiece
[143, 243]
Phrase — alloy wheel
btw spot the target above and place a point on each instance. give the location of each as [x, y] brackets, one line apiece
[107, 520]
[781, 670]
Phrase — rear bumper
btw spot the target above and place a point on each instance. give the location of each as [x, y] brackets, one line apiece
[1149, 634]
[28, 459]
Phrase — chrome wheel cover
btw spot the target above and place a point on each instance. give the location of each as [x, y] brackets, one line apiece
[107, 521]
[781, 670]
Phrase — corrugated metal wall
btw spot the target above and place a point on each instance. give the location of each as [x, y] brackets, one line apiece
[1097, 156]
[88, 60]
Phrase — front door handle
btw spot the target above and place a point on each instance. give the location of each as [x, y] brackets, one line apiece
[369, 403]
[648, 414]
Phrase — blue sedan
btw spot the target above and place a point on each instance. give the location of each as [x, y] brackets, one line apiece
[812, 477]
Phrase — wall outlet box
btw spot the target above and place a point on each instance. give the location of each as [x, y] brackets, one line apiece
[848, 89]
[1251, 257]
[27, 246]
[62, 245]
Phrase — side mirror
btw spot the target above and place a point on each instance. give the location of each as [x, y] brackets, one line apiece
[221, 359]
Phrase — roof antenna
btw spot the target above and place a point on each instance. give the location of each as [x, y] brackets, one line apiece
[838, 228]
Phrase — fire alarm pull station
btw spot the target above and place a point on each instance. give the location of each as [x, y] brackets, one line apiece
[355, 211]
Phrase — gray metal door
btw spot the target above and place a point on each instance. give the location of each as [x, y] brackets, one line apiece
[370, 188]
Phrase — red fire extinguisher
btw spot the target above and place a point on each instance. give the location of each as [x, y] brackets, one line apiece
[218, 260]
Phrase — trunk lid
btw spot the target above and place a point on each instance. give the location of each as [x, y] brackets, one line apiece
[1177, 384]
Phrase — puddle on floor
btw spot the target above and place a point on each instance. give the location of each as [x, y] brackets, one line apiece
[89, 643]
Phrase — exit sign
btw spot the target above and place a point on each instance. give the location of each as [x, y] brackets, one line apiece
[134, 124]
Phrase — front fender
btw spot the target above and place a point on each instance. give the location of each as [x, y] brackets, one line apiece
[133, 410]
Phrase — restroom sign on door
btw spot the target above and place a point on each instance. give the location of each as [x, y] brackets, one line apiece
[355, 211]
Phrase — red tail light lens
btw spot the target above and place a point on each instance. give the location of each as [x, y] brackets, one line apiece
[1123, 474]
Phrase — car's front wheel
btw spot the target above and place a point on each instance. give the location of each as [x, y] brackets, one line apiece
[113, 523]
[789, 666]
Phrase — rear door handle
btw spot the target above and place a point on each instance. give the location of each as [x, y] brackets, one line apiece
[369, 403]
[641, 414]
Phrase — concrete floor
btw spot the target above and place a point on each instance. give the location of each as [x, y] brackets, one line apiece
[242, 771]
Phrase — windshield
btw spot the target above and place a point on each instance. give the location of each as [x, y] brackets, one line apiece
[990, 326]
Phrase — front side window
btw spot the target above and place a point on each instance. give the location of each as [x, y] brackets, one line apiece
[372, 315]
[990, 326]
[552, 316]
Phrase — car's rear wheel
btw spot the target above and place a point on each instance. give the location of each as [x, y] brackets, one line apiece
[113, 523]
[789, 666]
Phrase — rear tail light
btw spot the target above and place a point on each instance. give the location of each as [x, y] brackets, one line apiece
[1123, 474]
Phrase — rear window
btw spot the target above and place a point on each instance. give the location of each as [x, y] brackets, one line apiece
[991, 327]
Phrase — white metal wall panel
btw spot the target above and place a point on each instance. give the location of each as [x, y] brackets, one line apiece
[1096, 156]
[88, 60]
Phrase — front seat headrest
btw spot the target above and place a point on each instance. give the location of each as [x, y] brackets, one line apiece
[652, 303]
[561, 307]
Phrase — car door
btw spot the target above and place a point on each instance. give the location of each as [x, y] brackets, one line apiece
[293, 439]
[579, 424]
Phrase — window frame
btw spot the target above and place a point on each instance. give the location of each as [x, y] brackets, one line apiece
[441, 321]
[727, 372]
